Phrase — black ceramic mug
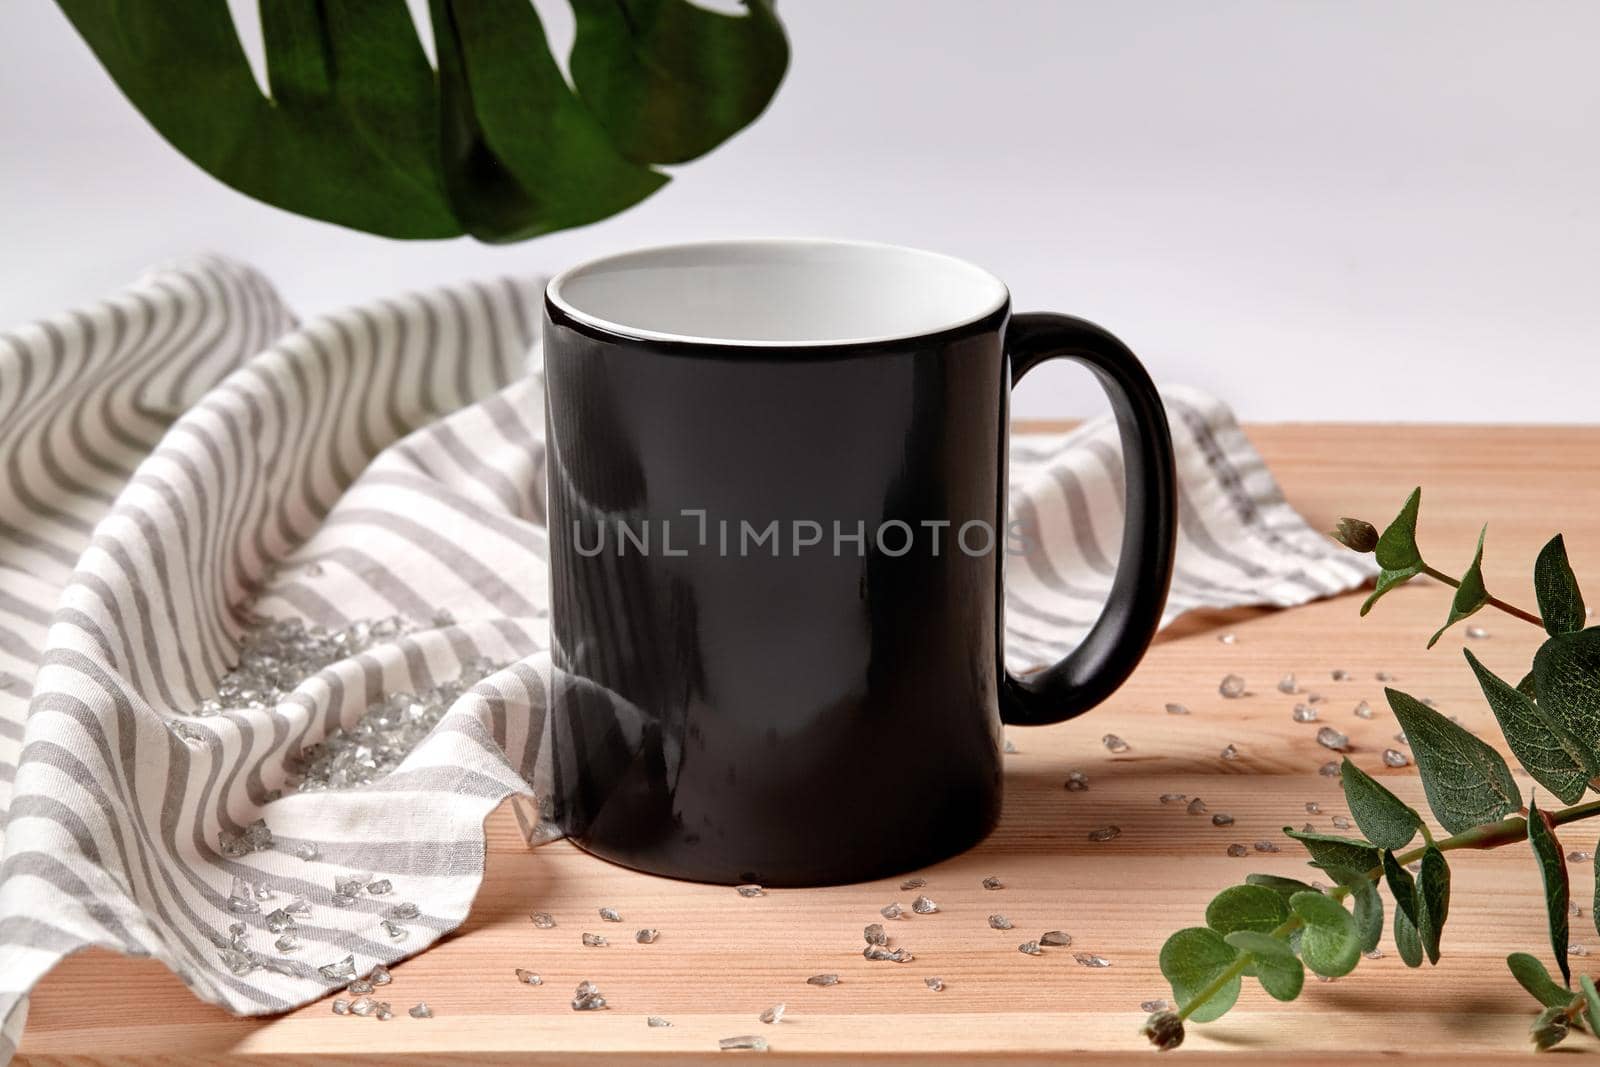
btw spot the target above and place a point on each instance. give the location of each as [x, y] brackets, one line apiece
[777, 518]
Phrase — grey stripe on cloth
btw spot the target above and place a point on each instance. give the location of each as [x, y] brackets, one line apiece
[184, 456]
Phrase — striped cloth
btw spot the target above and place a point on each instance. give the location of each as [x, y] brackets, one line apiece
[183, 455]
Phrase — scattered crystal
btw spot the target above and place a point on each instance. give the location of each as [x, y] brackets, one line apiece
[1173, 798]
[1576, 949]
[657, 1021]
[341, 900]
[610, 915]
[743, 1043]
[307, 851]
[595, 940]
[1340, 674]
[879, 952]
[823, 979]
[1089, 959]
[1329, 769]
[1229, 752]
[1315, 698]
[358, 987]
[380, 975]
[1267, 846]
[1304, 713]
[587, 997]
[1153, 1006]
[1227, 639]
[1477, 633]
[527, 977]
[1430, 702]
[279, 920]
[341, 1006]
[647, 936]
[1415, 867]
[773, 1014]
[1287, 684]
[924, 906]
[1030, 948]
[1055, 938]
[1328, 737]
[1313, 808]
[1383, 676]
[935, 984]
[1196, 807]
[1308, 829]
[1363, 710]
[1222, 818]
[252, 838]
[1177, 709]
[892, 911]
[242, 898]
[421, 1010]
[751, 890]
[1395, 758]
[380, 887]
[1105, 833]
[1009, 748]
[1237, 850]
[342, 971]
[999, 922]
[395, 931]
[1579, 856]
[913, 883]
[240, 963]
[1231, 686]
[1575, 909]
[1373, 954]
[543, 920]
[1342, 822]
[992, 882]
[1114, 743]
[289, 942]
[404, 912]
[1077, 782]
[348, 885]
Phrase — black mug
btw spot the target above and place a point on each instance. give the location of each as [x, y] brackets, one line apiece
[777, 522]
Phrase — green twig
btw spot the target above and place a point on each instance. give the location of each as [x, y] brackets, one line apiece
[1491, 600]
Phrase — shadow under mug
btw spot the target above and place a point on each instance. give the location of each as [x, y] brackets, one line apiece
[777, 521]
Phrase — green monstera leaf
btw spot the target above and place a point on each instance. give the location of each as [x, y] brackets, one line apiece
[359, 129]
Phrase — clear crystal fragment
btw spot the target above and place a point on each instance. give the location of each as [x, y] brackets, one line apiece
[1267, 846]
[875, 934]
[1010, 747]
[527, 977]
[993, 882]
[1339, 674]
[773, 1014]
[1030, 948]
[307, 851]
[1342, 822]
[1114, 743]
[1230, 752]
[1222, 818]
[1383, 676]
[242, 898]
[823, 979]
[1329, 769]
[1231, 686]
[1308, 829]
[587, 997]
[289, 942]
[340, 971]
[364, 1006]
[1196, 807]
[892, 911]
[395, 931]
[1287, 684]
[404, 912]
[1077, 782]
[743, 1043]
[1576, 949]
[924, 906]
[1579, 856]
[279, 920]
[380, 975]
[1575, 910]
[341, 1006]
[1055, 938]
[657, 1021]
[913, 883]
[1304, 713]
[1363, 710]
[610, 915]
[935, 984]
[1313, 808]
[1328, 737]
[348, 885]
[1373, 954]
[240, 963]
[1395, 758]
[595, 940]
[890, 955]
[647, 936]
[750, 890]
[420, 1010]
[1105, 833]
[1477, 633]
[1152, 1006]
[380, 888]
[358, 987]
[1089, 959]
[1315, 698]
[1177, 709]
[1237, 850]
[999, 922]
[341, 900]
[1227, 638]
[543, 920]
[1173, 798]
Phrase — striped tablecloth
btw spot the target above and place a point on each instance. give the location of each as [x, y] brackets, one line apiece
[184, 455]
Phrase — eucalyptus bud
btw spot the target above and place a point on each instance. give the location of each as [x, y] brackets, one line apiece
[1165, 1030]
[1549, 1029]
[1356, 535]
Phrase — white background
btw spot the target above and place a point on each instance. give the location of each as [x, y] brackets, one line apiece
[1373, 209]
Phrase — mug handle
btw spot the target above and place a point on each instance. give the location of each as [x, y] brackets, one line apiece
[1113, 647]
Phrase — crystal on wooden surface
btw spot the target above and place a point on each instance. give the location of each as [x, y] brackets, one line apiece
[750, 890]
[1009, 748]
[1055, 938]
[364, 1006]
[341, 971]
[1222, 818]
[1342, 822]
[913, 883]
[657, 1021]
[1383, 676]
[1153, 1006]
[1105, 833]
[1363, 710]
[823, 979]
[647, 936]
[1267, 846]
[1287, 684]
[420, 1010]
[999, 922]
[1579, 855]
[924, 906]
[875, 934]
[380, 975]
[743, 1043]
[889, 955]
[1196, 807]
[587, 997]
[1231, 686]
[1313, 808]
[993, 882]
[1177, 709]
[1395, 758]
[1329, 769]
[935, 984]
[358, 987]
[774, 1014]
[1228, 638]
[1304, 713]
[595, 940]
[1339, 674]
[1328, 737]
[1230, 752]
[1173, 798]
[1373, 954]
[1237, 850]
[611, 915]
[1575, 949]
[1114, 743]
[341, 1006]
[527, 977]
[892, 911]
[1089, 959]
[1477, 633]
[1030, 948]
[1077, 782]
[543, 920]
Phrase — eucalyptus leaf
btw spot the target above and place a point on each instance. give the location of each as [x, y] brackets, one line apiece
[1553, 870]
[1560, 601]
[1367, 904]
[1397, 546]
[359, 130]
[1531, 975]
[1288, 887]
[1329, 850]
[1389, 579]
[1247, 907]
[1466, 781]
[1566, 672]
[1407, 942]
[1546, 749]
[1591, 1000]
[1470, 594]
[1402, 887]
[1331, 944]
[1191, 960]
[1279, 972]
[1385, 819]
[1433, 900]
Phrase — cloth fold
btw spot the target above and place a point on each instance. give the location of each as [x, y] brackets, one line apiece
[183, 458]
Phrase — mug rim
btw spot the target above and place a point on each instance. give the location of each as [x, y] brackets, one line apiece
[570, 314]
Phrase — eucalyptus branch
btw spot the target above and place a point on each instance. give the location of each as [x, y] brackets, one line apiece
[1489, 598]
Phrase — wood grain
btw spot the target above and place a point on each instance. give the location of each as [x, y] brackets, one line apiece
[721, 959]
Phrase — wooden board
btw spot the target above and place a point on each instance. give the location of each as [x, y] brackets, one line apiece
[721, 959]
